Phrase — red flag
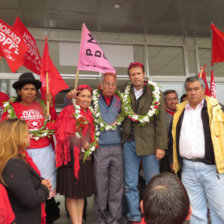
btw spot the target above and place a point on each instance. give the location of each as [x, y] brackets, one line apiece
[13, 46]
[212, 86]
[32, 59]
[1, 52]
[203, 76]
[217, 45]
[3, 97]
[56, 83]
[91, 57]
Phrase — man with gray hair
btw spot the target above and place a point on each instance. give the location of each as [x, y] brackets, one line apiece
[108, 157]
[198, 150]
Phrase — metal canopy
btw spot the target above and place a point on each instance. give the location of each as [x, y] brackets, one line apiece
[163, 17]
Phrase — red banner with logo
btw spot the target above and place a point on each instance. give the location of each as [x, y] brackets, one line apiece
[12, 45]
[32, 59]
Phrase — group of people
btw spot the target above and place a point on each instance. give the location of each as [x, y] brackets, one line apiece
[101, 140]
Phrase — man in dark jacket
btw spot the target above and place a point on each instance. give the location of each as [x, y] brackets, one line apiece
[144, 134]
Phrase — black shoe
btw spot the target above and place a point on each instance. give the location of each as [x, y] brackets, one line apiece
[52, 211]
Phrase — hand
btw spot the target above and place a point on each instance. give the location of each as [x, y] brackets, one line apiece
[86, 146]
[171, 167]
[49, 98]
[160, 153]
[47, 183]
[72, 94]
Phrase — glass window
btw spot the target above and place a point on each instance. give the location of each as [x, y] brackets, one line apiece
[166, 60]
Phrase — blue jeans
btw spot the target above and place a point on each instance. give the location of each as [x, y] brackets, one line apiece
[204, 184]
[131, 169]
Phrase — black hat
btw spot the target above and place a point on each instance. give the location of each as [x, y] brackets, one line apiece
[26, 78]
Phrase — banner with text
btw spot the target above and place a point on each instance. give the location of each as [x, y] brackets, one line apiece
[32, 59]
[91, 57]
[12, 45]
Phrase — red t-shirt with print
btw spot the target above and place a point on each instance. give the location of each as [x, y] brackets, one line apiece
[34, 116]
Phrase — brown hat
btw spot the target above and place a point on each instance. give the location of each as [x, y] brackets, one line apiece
[26, 78]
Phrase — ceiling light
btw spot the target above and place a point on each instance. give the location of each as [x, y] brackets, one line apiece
[117, 6]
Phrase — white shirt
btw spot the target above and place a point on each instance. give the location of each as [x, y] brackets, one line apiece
[138, 93]
[192, 139]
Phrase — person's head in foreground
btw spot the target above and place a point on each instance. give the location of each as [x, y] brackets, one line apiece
[165, 200]
[14, 138]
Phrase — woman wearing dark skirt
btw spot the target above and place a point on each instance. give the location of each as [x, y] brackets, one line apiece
[75, 142]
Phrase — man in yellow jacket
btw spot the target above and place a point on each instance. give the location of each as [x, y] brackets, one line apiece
[198, 150]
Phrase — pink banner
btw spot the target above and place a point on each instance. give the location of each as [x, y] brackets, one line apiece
[12, 46]
[32, 59]
[91, 57]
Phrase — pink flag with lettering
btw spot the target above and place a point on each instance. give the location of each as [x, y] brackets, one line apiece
[12, 46]
[91, 57]
[32, 59]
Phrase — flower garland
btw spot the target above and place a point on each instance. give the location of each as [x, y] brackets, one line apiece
[154, 108]
[80, 124]
[35, 134]
[101, 125]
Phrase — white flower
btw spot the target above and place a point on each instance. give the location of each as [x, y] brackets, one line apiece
[97, 114]
[101, 124]
[6, 104]
[97, 133]
[150, 113]
[146, 119]
[36, 138]
[135, 117]
[44, 134]
[77, 135]
[108, 127]
[78, 116]
[92, 148]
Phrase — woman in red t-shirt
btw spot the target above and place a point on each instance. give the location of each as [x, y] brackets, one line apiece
[29, 108]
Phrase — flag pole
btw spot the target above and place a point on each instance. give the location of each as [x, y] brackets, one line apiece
[76, 78]
[47, 86]
[211, 58]
[202, 69]
[77, 71]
